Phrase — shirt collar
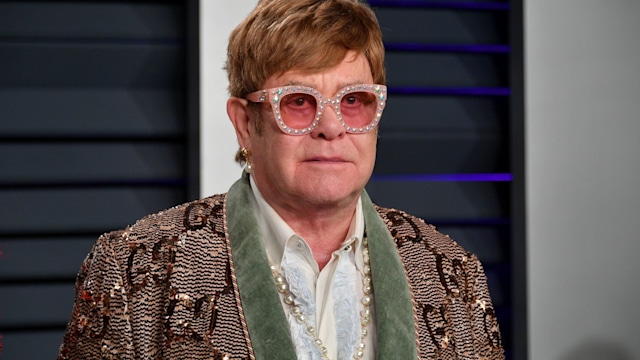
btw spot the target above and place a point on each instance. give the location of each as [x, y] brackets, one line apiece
[276, 232]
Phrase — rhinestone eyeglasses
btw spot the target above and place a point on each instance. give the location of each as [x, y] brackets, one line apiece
[298, 109]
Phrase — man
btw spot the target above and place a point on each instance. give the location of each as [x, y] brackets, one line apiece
[294, 262]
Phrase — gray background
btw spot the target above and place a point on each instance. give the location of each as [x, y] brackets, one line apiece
[583, 177]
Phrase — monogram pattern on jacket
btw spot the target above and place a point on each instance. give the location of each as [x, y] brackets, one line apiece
[455, 316]
[164, 288]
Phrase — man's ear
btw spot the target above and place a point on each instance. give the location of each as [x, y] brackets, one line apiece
[238, 112]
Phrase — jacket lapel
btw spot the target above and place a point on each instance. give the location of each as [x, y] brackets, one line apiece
[265, 319]
[395, 322]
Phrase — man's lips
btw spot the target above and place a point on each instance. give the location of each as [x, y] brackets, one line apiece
[325, 159]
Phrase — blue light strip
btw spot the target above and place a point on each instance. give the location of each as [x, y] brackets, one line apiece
[487, 177]
[440, 4]
[478, 49]
[418, 90]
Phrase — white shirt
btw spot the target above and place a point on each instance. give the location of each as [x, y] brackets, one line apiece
[331, 298]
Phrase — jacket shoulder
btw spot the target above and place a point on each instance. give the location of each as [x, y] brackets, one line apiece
[407, 229]
[168, 224]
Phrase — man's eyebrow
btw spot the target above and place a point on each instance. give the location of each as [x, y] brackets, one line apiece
[298, 83]
[351, 83]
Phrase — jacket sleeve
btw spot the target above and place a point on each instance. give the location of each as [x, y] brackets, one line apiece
[484, 322]
[99, 327]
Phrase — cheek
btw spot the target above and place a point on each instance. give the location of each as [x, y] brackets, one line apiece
[368, 146]
[278, 150]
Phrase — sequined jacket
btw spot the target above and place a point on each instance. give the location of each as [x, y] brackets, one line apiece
[193, 282]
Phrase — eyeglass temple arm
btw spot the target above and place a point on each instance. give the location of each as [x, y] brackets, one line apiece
[258, 96]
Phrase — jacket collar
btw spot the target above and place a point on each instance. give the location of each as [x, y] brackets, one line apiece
[266, 321]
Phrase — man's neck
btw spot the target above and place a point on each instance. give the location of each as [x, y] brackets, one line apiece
[324, 232]
[323, 226]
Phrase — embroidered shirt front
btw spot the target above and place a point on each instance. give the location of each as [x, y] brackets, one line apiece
[329, 298]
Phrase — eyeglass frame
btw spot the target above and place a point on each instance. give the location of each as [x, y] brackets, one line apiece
[274, 95]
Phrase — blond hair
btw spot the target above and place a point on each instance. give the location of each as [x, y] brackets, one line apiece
[307, 35]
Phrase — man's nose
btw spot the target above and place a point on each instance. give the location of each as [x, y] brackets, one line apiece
[329, 127]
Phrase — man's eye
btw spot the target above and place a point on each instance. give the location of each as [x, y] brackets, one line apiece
[351, 100]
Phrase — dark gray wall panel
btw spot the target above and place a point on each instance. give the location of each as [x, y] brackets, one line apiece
[84, 210]
[442, 26]
[444, 113]
[436, 201]
[45, 163]
[47, 304]
[31, 345]
[441, 153]
[89, 64]
[47, 258]
[499, 293]
[446, 69]
[486, 242]
[90, 112]
[123, 20]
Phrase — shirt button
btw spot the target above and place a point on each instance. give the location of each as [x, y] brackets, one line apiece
[300, 245]
[347, 248]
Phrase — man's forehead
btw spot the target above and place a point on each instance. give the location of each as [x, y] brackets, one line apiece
[353, 69]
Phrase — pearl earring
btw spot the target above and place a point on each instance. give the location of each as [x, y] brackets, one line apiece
[244, 160]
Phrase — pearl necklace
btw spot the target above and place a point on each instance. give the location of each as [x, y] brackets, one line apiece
[365, 314]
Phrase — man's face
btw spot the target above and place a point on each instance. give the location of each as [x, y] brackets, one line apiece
[327, 167]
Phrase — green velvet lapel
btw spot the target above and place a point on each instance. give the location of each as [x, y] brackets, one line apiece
[266, 321]
[395, 324]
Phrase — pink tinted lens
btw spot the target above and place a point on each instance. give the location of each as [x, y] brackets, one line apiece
[358, 108]
[298, 110]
